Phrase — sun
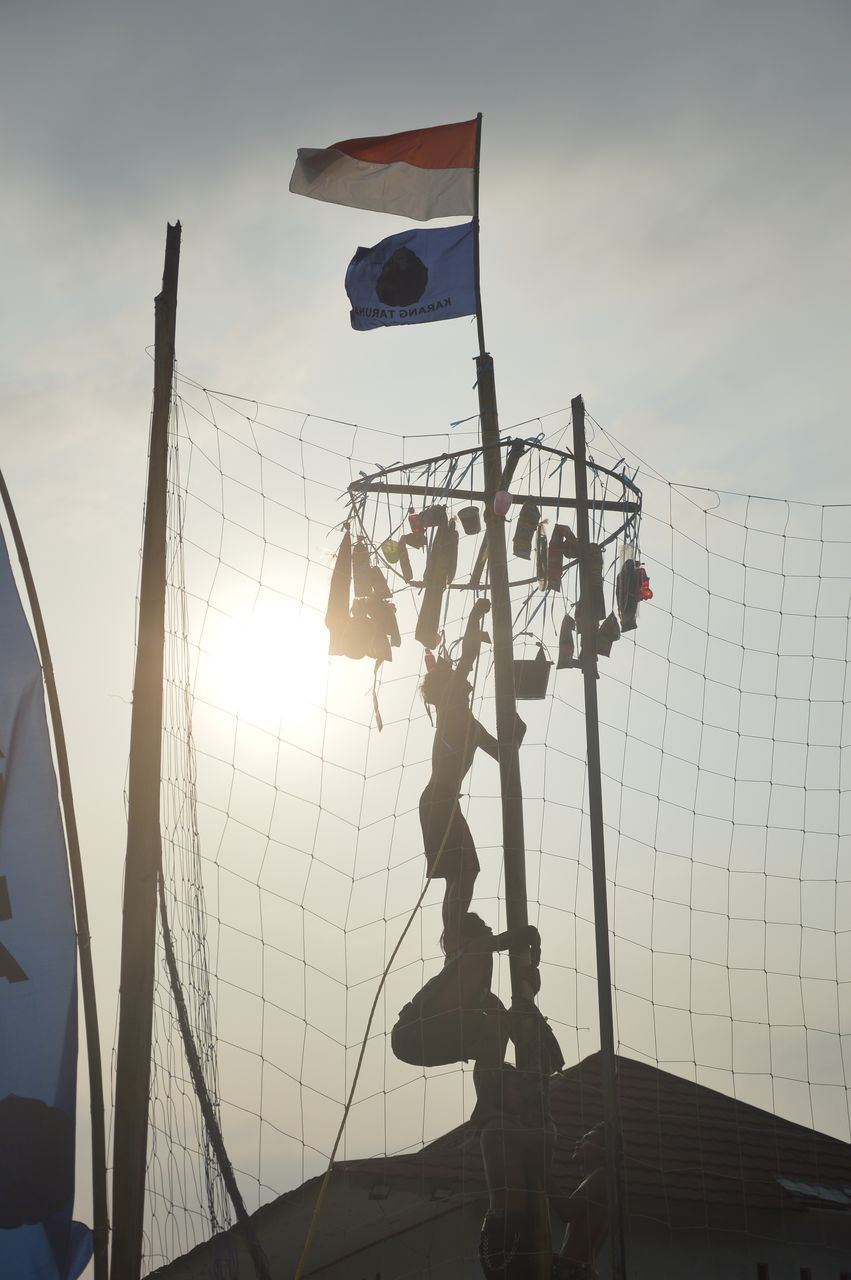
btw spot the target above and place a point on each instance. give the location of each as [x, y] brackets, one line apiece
[270, 664]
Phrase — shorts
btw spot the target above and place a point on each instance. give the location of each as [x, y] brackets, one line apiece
[448, 841]
[451, 1035]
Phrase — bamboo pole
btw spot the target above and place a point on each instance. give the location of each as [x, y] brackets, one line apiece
[478, 495]
[514, 846]
[525, 1031]
[133, 1059]
[84, 938]
[587, 625]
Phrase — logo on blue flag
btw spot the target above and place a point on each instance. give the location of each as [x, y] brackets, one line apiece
[413, 278]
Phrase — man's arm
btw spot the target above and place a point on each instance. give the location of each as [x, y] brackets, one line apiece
[526, 936]
[488, 743]
[473, 636]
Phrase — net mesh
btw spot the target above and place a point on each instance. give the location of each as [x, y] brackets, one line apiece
[294, 851]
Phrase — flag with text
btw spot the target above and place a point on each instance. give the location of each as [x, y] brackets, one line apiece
[414, 277]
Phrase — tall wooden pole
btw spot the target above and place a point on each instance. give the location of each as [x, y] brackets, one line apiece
[514, 844]
[527, 1043]
[81, 914]
[587, 625]
[138, 941]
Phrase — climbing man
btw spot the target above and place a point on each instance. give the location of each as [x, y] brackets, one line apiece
[449, 848]
[456, 1017]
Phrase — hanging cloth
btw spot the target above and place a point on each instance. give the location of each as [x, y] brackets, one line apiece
[628, 595]
[524, 530]
[541, 557]
[378, 583]
[358, 638]
[444, 551]
[555, 559]
[337, 613]
[366, 627]
[451, 551]
[607, 634]
[405, 559]
[379, 643]
[562, 543]
[378, 721]
[361, 569]
[433, 517]
[570, 542]
[383, 613]
[591, 605]
[566, 643]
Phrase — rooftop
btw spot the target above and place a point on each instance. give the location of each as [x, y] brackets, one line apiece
[702, 1156]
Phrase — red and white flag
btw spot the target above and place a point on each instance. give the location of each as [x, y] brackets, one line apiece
[422, 174]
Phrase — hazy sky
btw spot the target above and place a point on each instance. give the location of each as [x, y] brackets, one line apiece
[665, 211]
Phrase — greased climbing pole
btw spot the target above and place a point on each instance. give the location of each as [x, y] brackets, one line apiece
[615, 521]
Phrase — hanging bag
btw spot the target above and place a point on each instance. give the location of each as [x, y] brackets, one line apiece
[531, 676]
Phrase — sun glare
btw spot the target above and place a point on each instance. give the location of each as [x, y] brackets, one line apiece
[271, 664]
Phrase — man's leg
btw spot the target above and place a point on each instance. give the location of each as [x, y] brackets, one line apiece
[456, 904]
[512, 1155]
[587, 1218]
[492, 1040]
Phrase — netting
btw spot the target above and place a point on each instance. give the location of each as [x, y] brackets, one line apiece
[294, 857]
[186, 1194]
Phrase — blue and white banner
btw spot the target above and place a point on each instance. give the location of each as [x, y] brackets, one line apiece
[38, 977]
[414, 277]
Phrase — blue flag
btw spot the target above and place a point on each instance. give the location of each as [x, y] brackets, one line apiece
[413, 278]
[38, 977]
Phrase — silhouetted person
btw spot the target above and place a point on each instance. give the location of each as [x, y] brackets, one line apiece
[517, 1156]
[449, 848]
[457, 1018]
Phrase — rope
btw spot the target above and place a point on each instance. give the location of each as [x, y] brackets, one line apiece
[349, 1100]
[258, 1257]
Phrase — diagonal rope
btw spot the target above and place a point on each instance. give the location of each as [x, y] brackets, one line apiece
[382, 980]
[258, 1257]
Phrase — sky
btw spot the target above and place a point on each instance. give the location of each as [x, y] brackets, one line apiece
[665, 197]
